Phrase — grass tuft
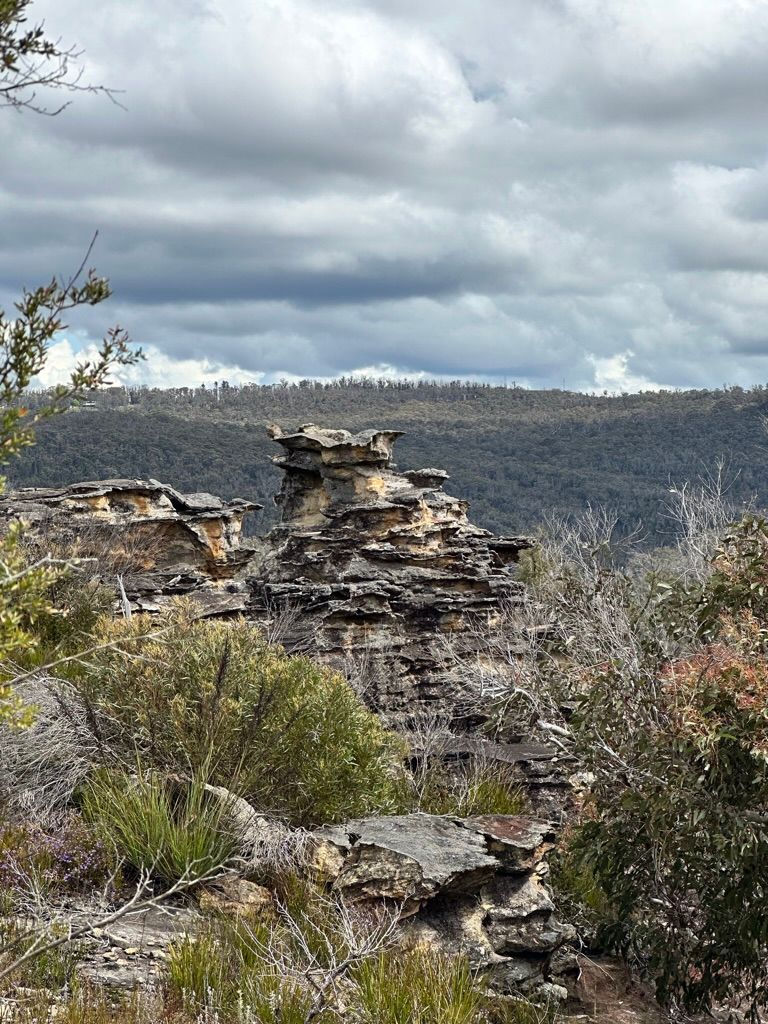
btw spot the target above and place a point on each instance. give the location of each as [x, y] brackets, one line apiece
[168, 830]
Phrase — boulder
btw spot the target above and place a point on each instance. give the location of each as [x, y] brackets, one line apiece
[471, 885]
[234, 896]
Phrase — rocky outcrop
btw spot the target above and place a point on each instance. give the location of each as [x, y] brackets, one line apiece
[475, 885]
[160, 542]
[383, 570]
[384, 567]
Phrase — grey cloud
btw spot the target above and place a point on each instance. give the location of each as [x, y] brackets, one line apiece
[496, 188]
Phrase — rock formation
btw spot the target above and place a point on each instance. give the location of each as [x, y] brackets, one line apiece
[377, 572]
[385, 568]
[475, 885]
[160, 542]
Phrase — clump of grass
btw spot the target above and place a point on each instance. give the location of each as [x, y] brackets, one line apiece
[417, 987]
[92, 1005]
[511, 1010]
[225, 969]
[474, 787]
[169, 830]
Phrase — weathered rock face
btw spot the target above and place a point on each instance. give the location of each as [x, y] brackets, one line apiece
[162, 542]
[385, 566]
[382, 570]
[475, 885]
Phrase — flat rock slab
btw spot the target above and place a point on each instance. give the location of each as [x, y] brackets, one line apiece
[413, 857]
[133, 952]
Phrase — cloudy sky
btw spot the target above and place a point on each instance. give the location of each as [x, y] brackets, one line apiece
[558, 192]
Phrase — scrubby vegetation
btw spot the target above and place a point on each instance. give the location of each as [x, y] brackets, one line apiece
[64, 856]
[157, 827]
[658, 684]
[203, 695]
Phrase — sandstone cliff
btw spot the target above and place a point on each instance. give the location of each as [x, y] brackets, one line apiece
[161, 543]
[385, 567]
[382, 570]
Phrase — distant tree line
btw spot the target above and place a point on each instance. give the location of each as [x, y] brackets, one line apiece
[515, 454]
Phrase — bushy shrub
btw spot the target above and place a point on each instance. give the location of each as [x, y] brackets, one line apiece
[289, 735]
[669, 714]
[681, 851]
[172, 830]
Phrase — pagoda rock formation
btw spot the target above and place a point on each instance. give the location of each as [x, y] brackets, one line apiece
[382, 569]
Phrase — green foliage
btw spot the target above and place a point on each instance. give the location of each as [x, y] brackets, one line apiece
[24, 599]
[263, 970]
[416, 987]
[739, 581]
[476, 787]
[670, 857]
[289, 735]
[173, 831]
[580, 897]
[25, 586]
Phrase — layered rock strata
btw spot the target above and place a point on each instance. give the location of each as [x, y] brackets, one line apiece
[385, 569]
[472, 885]
[160, 542]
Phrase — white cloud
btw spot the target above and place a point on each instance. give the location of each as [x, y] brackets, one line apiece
[157, 371]
[613, 374]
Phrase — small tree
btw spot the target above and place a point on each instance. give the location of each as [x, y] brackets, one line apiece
[29, 60]
[24, 345]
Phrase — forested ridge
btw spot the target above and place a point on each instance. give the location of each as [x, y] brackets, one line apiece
[515, 454]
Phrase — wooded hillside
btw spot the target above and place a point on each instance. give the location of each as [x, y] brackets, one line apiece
[515, 454]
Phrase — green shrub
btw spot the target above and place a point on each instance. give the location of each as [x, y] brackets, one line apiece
[289, 735]
[271, 973]
[169, 829]
[75, 602]
[666, 682]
